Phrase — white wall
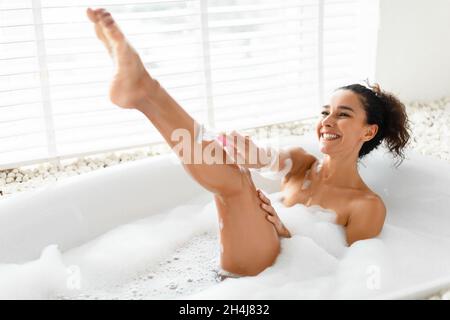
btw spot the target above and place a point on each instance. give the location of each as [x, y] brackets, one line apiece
[413, 52]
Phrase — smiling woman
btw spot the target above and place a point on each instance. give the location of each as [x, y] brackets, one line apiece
[355, 122]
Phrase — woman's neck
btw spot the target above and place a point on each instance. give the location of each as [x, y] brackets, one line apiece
[339, 171]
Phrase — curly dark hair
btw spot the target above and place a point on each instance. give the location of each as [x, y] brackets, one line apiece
[389, 113]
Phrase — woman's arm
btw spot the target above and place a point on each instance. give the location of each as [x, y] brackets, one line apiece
[247, 154]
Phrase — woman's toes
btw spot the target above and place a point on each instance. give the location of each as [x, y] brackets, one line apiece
[92, 15]
[109, 28]
[96, 14]
[107, 21]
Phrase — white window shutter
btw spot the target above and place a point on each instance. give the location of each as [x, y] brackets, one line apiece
[232, 64]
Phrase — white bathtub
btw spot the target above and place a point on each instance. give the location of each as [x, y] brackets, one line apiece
[79, 209]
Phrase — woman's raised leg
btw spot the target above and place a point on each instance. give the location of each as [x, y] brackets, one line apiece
[133, 87]
[249, 242]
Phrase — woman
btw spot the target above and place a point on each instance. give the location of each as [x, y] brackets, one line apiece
[355, 121]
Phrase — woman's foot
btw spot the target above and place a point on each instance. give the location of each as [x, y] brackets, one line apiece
[131, 85]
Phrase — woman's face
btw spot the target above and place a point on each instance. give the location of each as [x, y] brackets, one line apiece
[345, 117]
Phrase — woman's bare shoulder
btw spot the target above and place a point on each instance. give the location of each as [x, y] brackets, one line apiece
[367, 199]
[366, 218]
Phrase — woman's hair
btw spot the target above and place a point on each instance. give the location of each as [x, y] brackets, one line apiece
[388, 112]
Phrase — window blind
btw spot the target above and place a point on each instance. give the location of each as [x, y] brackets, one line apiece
[232, 64]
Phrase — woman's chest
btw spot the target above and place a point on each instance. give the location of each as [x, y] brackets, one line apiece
[313, 193]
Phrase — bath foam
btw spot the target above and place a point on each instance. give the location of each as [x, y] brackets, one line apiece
[113, 260]
[120, 253]
[39, 279]
[110, 263]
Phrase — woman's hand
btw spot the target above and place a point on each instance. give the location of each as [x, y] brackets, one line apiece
[246, 153]
[272, 216]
